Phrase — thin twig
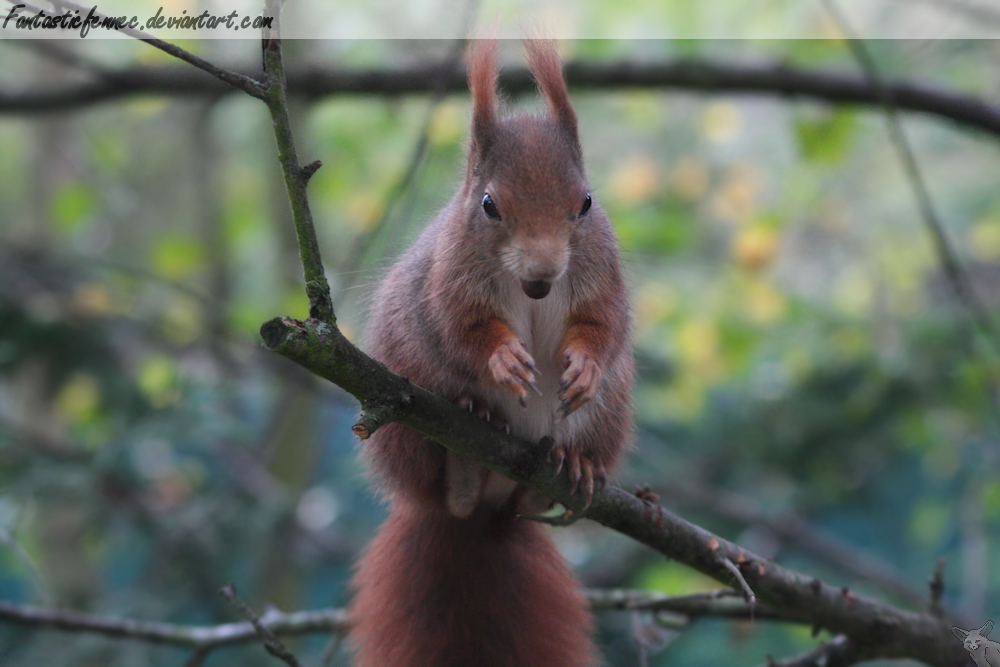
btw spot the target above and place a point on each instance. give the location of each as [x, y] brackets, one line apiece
[275, 95]
[271, 641]
[198, 657]
[979, 12]
[438, 90]
[194, 636]
[956, 274]
[8, 539]
[331, 648]
[240, 81]
[724, 603]
[936, 586]
[748, 595]
[840, 651]
[56, 52]
[792, 528]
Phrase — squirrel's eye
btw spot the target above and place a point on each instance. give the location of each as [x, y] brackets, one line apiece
[490, 208]
[586, 206]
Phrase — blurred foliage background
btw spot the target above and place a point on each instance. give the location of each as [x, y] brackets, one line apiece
[808, 385]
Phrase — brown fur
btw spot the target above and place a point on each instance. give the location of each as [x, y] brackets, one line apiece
[454, 577]
[495, 594]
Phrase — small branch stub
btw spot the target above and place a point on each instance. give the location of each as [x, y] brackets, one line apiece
[310, 169]
[748, 593]
[937, 588]
[361, 431]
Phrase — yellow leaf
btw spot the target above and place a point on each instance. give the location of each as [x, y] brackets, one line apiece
[182, 321]
[764, 304]
[635, 181]
[984, 240]
[91, 300]
[754, 248]
[854, 293]
[687, 397]
[158, 381]
[720, 122]
[698, 349]
[689, 179]
[654, 303]
[363, 210]
[78, 399]
[447, 125]
[643, 109]
[736, 199]
[928, 522]
[176, 256]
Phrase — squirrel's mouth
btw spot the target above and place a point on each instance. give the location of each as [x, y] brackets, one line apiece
[536, 289]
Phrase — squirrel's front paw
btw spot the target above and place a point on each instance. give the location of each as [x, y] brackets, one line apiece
[580, 381]
[585, 474]
[513, 367]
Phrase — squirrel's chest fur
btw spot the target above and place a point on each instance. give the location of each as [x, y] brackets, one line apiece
[541, 326]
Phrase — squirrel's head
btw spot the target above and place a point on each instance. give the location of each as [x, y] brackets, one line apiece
[525, 185]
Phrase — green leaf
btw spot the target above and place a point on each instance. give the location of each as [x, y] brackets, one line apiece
[665, 229]
[158, 381]
[72, 204]
[176, 256]
[826, 139]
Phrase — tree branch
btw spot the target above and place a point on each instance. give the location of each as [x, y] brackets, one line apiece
[793, 528]
[199, 637]
[722, 603]
[838, 652]
[243, 82]
[685, 75]
[275, 95]
[271, 642]
[718, 604]
[387, 397]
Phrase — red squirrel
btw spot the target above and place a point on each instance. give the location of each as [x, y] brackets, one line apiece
[511, 303]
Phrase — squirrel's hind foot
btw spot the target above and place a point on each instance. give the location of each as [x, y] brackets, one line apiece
[586, 475]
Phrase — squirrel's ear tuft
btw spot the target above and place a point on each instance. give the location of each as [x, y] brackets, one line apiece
[482, 64]
[959, 632]
[985, 630]
[543, 59]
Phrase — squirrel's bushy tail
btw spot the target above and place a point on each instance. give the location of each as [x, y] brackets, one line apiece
[487, 591]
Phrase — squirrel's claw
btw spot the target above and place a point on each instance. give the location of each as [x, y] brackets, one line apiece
[482, 410]
[586, 481]
[579, 382]
[513, 367]
[585, 475]
[558, 456]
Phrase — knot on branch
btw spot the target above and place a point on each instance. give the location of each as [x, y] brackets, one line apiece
[374, 415]
[320, 302]
[307, 171]
[276, 332]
